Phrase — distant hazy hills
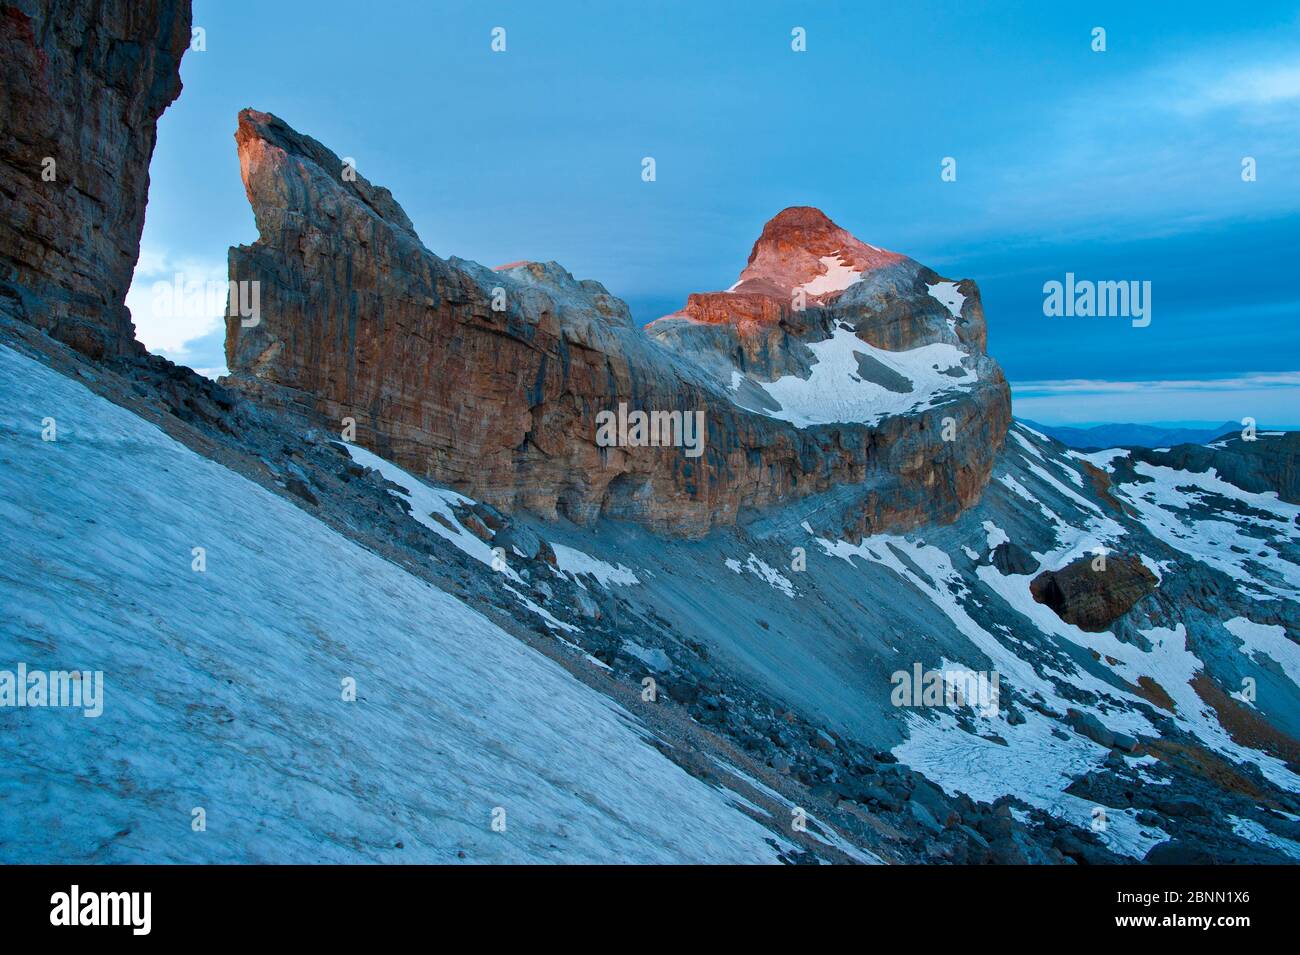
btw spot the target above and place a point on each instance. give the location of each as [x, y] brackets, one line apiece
[1140, 435]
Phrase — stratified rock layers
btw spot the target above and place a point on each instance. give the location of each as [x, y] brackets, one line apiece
[81, 91]
[358, 320]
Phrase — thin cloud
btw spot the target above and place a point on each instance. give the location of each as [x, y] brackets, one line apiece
[1254, 87]
[1094, 386]
[1268, 397]
[1156, 152]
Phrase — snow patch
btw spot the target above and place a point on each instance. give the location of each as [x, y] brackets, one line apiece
[996, 535]
[577, 563]
[953, 300]
[1252, 831]
[1036, 766]
[1269, 641]
[654, 658]
[1100, 459]
[425, 500]
[835, 391]
[1169, 505]
[837, 277]
[763, 571]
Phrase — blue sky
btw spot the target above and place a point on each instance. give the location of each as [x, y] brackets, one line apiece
[1122, 165]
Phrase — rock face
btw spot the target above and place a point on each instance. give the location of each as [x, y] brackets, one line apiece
[802, 248]
[1267, 463]
[1094, 599]
[841, 316]
[491, 381]
[83, 87]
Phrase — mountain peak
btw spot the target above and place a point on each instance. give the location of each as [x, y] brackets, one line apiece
[801, 248]
[796, 223]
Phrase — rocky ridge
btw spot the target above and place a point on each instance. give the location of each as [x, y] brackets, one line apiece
[491, 381]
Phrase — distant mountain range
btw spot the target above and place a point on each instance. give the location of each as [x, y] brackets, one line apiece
[1133, 435]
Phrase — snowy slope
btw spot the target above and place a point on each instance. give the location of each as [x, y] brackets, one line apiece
[1027, 760]
[223, 688]
[828, 643]
[836, 391]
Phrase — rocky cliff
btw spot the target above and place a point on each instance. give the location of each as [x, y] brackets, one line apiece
[81, 91]
[491, 381]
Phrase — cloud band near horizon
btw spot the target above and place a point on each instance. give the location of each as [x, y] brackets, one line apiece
[1271, 398]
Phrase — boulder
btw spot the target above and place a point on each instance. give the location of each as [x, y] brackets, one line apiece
[1012, 560]
[522, 540]
[924, 818]
[1182, 807]
[586, 606]
[1092, 599]
[1088, 725]
[1085, 724]
[1128, 744]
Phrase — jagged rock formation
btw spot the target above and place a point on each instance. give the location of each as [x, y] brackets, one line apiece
[360, 321]
[81, 90]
